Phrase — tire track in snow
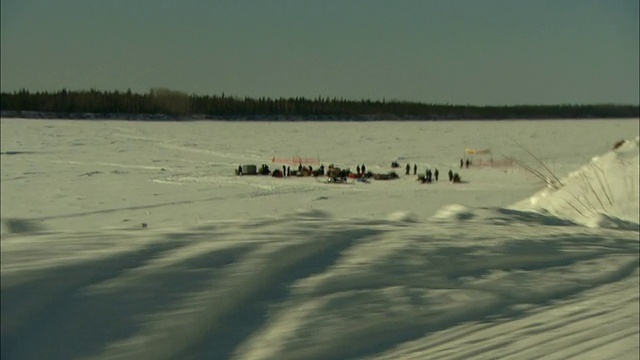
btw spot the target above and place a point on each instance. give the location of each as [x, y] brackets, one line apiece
[171, 203]
[125, 166]
[163, 143]
[235, 157]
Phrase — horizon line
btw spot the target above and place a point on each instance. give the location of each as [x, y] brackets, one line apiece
[242, 98]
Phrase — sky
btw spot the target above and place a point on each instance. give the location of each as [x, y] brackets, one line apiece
[494, 52]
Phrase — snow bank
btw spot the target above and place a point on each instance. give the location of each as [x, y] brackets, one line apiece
[601, 193]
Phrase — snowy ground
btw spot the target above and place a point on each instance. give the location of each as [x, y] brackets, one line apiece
[499, 267]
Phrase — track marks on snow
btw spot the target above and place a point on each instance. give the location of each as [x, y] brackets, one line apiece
[212, 321]
[412, 290]
[309, 286]
[254, 194]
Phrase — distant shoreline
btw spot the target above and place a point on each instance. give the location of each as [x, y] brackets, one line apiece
[169, 105]
[42, 115]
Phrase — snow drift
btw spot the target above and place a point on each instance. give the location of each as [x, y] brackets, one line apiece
[601, 193]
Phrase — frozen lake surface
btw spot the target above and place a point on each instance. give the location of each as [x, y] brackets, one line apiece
[257, 267]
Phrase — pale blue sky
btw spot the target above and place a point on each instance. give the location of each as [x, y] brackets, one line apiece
[482, 52]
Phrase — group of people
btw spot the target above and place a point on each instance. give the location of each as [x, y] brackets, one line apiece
[302, 170]
[428, 173]
[407, 169]
[431, 176]
[361, 171]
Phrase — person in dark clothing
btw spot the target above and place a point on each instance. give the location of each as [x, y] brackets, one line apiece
[322, 169]
[468, 163]
[450, 175]
[300, 168]
[435, 174]
[428, 175]
[363, 168]
[415, 169]
[288, 170]
[461, 163]
[284, 170]
[239, 169]
[358, 169]
[407, 169]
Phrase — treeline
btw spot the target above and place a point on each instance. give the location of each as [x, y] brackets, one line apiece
[179, 105]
